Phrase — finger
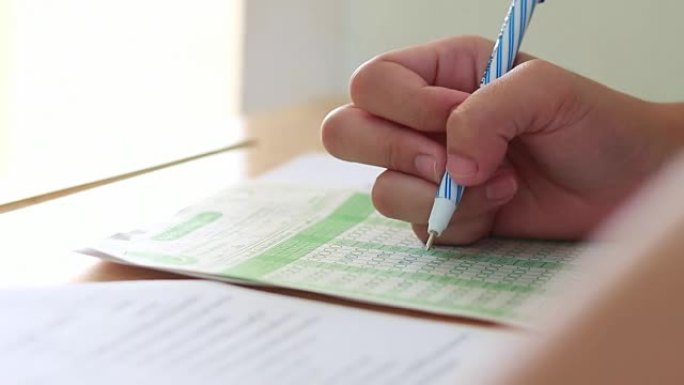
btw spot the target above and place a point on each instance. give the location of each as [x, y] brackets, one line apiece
[500, 190]
[352, 134]
[419, 86]
[480, 129]
[400, 196]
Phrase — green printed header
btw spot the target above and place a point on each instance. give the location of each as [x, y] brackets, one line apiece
[179, 231]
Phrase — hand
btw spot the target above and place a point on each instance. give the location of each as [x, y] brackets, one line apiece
[545, 153]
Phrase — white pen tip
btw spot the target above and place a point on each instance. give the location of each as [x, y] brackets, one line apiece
[430, 241]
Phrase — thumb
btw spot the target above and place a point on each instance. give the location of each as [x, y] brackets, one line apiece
[527, 100]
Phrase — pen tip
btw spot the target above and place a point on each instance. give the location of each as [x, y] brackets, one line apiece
[430, 241]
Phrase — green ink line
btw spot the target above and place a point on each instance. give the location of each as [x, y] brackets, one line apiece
[180, 230]
[451, 254]
[394, 300]
[386, 222]
[418, 276]
[352, 212]
[167, 259]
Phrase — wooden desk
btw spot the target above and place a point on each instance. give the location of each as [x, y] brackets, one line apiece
[37, 237]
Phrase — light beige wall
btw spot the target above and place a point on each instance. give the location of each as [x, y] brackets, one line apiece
[124, 64]
[631, 45]
[5, 76]
[291, 52]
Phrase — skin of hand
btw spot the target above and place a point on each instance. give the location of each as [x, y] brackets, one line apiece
[544, 152]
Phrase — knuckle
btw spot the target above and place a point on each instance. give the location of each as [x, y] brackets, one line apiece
[381, 194]
[332, 128]
[561, 98]
[475, 42]
[536, 67]
[472, 43]
[392, 153]
[463, 122]
[427, 118]
[361, 80]
[469, 233]
[399, 153]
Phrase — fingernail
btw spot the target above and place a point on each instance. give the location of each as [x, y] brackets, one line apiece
[461, 166]
[501, 188]
[427, 167]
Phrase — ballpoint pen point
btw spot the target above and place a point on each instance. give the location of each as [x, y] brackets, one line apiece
[430, 241]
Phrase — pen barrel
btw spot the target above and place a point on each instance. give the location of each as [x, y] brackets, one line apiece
[510, 37]
[450, 190]
[500, 62]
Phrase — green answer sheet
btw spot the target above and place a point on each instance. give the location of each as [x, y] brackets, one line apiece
[332, 241]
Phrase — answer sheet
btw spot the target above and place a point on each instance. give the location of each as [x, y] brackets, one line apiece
[199, 332]
[332, 241]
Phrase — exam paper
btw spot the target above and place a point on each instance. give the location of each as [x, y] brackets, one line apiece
[195, 332]
[332, 241]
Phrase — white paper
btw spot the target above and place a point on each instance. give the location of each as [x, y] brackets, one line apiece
[200, 332]
[291, 229]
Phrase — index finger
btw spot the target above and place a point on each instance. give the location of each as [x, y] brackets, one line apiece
[419, 86]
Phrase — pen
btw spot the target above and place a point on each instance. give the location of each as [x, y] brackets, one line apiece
[515, 24]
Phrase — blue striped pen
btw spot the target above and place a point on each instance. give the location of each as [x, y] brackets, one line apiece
[506, 48]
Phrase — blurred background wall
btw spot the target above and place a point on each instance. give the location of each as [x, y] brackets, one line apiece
[630, 45]
[6, 29]
[292, 52]
[206, 58]
[128, 82]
